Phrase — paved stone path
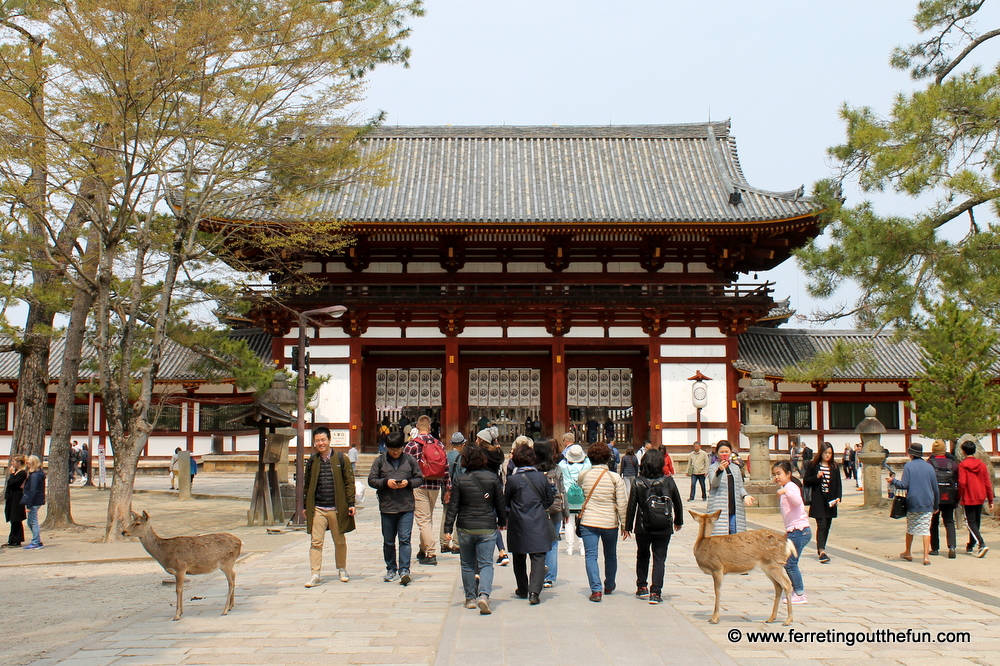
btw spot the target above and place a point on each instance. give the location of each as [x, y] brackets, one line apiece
[278, 621]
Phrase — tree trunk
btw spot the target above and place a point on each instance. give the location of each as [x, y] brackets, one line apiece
[126, 452]
[32, 385]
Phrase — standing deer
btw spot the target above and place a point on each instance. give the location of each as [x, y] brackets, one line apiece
[189, 555]
[741, 552]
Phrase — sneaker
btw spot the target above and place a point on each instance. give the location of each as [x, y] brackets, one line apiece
[642, 592]
[595, 597]
[569, 550]
[655, 599]
[968, 550]
[484, 605]
[430, 561]
[824, 558]
[36, 546]
[503, 560]
[343, 575]
[547, 584]
[471, 603]
[404, 578]
[315, 581]
[982, 551]
[799, 598]
[389, 577]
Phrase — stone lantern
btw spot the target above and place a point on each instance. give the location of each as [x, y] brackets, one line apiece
[872, 456]
[758, 398]
[285, 398]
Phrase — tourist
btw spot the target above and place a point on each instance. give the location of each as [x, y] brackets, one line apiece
[558, 511]
[822, 476]
[946, 471]
[568, 440]
[602, 517]
[652, 523]
[575, 464]
[85, 463]
[394, 475]
[33, 497]
[848, 462]
[795, 451]
[477, 509]
[428, 451]
[529, 532]
[352, 455]
[698, 464]
[174, 482]
[726, 493]
[630, 468]
[489, 442]
[13, 510]
[616, 455]
[974, 488]
[329, 501]
[922, 498]
[859, 468]
[793, 513]
[193, 469]
[455, 445]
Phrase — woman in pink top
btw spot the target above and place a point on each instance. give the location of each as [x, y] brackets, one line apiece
[793, 512]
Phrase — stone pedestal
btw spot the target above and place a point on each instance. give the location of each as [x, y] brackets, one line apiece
[284, 436]
[871, 457]
[758, 398]
[184, 475]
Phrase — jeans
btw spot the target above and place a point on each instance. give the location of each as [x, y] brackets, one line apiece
[629, 480]
[591, 537]
[695, 480]
[645, 543]
[945, 513]
[799, 539]
[396, 525]
[552, 557]
[476, 553]
[36, 534]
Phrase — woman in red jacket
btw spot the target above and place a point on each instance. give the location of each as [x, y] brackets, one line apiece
[974, 488]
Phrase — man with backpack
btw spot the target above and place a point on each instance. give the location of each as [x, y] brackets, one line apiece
[946, 471]
[654, 514]
[616, 455]
[430, 455]
[395, 475]
[329, 502]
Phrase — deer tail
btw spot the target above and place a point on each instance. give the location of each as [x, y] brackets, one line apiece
[789, 549]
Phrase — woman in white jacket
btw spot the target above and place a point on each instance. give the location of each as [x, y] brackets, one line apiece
[574, 464]
[602, 517]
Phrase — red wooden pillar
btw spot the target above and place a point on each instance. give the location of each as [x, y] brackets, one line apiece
[357, 412]
[452, 387]
[733, 421]
[560, 414]
[655, 395]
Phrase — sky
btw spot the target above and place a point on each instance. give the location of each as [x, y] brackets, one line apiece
[780, 70]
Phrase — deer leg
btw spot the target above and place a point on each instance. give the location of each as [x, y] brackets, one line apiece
[777, 598]
[179, 585]
[227, 568]
[717, 577]
[786, 584]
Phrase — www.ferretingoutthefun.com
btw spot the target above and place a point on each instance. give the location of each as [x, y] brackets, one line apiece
[849, 638]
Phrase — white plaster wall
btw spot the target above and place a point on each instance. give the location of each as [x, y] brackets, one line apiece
[164, 445]
[677, 332]
[585, 332]
[424, 267]
[626, 332]
[485, 332]
[676, 392]
[386, 267]
[685, 351]
[384, 332]
[686, 437]
[424, 332]
[708, 332]
[482, 267]
[585, 267]
[330, 351]
[699, 268]
[625, 267]
[332, 333]
[529, 332]
[312, 267]
[337, 267]
[333, 403]
[526, 267]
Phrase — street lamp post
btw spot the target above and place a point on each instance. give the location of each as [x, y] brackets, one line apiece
[300, 449]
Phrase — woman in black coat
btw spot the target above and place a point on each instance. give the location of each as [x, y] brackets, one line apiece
[650, 537]
[823, 478]
[13, 510]
[529, 530]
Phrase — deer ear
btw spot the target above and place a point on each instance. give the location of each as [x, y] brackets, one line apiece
[715, 514]
[145, 516]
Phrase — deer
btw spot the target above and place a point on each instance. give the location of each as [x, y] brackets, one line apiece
[185, 555]
[741, 552]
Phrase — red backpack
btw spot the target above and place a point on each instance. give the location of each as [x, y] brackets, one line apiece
[433, 459]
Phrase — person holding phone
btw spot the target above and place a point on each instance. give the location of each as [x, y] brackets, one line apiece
[726, 492]
[822, 476]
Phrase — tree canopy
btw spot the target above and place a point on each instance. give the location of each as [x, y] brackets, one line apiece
[940, 143]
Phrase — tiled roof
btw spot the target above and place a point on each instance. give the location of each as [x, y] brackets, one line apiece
[773, 349]
[179, 363]
[616, 174]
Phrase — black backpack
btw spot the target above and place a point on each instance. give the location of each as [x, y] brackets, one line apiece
[946, 480]
[658, 511]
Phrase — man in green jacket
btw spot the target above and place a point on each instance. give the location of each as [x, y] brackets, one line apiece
[698, 463]
[329, 502]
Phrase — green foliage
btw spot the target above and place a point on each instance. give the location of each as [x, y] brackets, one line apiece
[954, 393]
[937, 143]
[829, 364]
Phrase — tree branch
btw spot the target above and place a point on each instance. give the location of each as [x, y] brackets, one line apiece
[966, 51]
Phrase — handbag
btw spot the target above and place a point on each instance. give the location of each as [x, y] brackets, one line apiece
[583, 508]
[898, 509]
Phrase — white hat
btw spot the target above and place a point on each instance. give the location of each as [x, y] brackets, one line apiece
[575, 454]
[486, 434]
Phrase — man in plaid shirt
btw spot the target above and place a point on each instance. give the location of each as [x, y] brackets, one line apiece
[426, 496]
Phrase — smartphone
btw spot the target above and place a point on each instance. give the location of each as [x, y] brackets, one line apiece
[832, 502]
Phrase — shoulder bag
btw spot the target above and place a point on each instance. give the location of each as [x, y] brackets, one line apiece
[898, 509]
[579, 515]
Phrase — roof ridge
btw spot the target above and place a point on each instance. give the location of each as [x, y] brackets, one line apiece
[666, 131]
